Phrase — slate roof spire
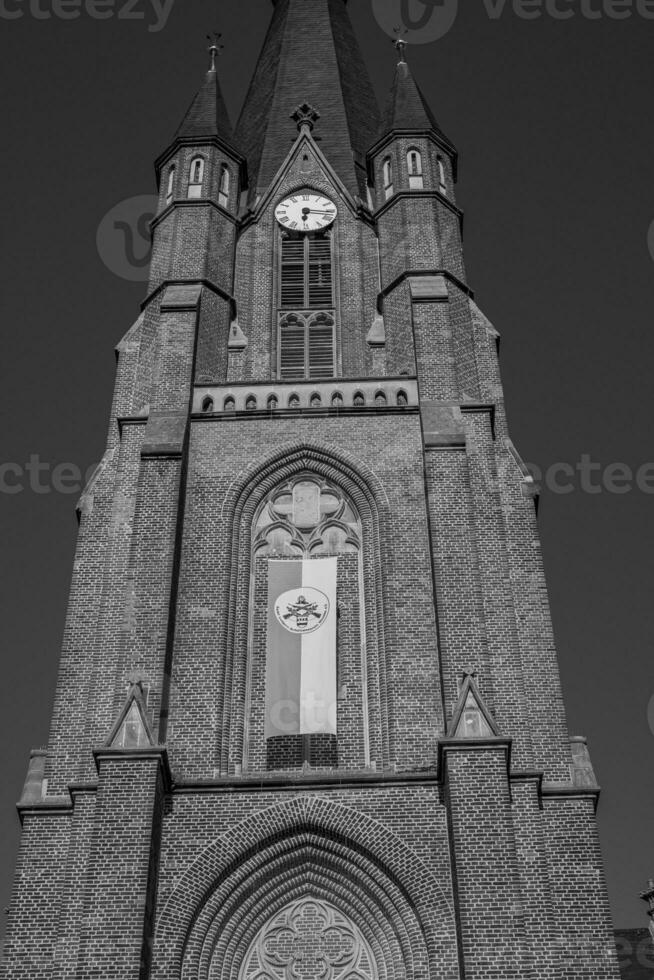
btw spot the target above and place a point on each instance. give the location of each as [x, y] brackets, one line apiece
[207, 115]
[407, 109]
[310, 55]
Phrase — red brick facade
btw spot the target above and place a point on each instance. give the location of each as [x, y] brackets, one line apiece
[416, 847]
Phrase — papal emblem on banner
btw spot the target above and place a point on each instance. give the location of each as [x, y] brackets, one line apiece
[301, 647]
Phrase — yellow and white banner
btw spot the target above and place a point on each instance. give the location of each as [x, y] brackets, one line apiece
[301, 647]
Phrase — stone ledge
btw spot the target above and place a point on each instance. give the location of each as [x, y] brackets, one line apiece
[380, 394]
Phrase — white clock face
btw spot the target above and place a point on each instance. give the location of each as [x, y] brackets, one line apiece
[306, 211]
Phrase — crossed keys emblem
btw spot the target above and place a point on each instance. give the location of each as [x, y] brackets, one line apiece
[302, 611]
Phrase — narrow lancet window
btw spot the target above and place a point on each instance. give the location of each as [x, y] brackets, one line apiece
[170, 192]
[225, 181]
[441, 176]
[197, 177]
[387, 171]
[414, 165]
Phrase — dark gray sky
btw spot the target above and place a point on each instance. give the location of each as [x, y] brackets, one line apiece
[553, 120]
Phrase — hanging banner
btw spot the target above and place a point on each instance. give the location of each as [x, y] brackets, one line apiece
[301, 647]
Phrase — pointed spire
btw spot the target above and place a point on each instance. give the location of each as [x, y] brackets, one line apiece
[310, 57]
[207, 115]
[407, 108]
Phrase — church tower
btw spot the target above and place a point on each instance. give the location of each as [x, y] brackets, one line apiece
[308, 721]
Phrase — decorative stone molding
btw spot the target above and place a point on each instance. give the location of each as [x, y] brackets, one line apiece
[237, 339]
[377, 334]
[309, 938]
[307, 516]
[306, 117]
[391, 393]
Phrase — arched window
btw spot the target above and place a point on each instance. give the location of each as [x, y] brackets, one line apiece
[441, 176]
[414, 165]
[306, 271]
[196, 178]
[170, 192]
[387, 173]
[207, 405]
[225, 182]
[307, 516]
[306, 347]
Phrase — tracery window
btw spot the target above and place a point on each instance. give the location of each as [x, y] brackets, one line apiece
[306, 516]
[308, 939]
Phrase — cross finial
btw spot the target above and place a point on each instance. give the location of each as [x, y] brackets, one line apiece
[215, 48]
[400, 43]
[306, 117]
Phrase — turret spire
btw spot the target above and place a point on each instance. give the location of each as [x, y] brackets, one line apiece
[407, 109]
[207, 115]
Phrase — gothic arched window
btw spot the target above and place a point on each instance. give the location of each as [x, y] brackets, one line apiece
[306, 272]
[196, 178]
[225, 182]
[170, 192]
[387, 173]
[306, 346]
[414, 165]
[306, 516]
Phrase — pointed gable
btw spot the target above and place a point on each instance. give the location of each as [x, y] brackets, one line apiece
[207, 115]
[132, 728]
[471, 718]
[310, 55]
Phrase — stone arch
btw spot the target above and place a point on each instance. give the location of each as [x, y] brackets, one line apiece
[307, 846]
[241, 503]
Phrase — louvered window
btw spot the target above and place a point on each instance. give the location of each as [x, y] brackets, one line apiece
[306, 347]
[307, 279]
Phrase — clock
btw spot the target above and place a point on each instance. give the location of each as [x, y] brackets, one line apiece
[306, 211]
